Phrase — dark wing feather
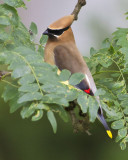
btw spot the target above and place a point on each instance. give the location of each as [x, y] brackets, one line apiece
[65, 59]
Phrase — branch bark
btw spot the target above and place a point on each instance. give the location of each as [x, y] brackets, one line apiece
[77, 8]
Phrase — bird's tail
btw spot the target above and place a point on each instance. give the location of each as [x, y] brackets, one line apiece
[103, 121]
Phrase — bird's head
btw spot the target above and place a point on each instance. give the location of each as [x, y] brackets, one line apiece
[57, 28]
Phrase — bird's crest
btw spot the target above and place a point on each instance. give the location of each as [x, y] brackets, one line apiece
[62, 23]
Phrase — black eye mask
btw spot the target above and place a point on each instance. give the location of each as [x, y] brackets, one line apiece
[57, 32]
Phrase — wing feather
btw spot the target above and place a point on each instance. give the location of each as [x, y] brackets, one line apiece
[65, 59]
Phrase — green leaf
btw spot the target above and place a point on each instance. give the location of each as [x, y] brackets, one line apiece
[124, 103]
[46, 76]
[106, 43]
[63, 114]
[93, 108]
[123, 145]
[26, 79]
[92, 51]
[23, 112]
[118, 124]
[38, 115]
[33, 28]
[118, 116]
[4, 36]
[26, 112]
[122, 132]
[120, 33]
[115, 74]
[55, 99]
[42, 106]
[29, 110]
[4, 20]
[22, 38]
[53, 88]
[76, 78]
[122, 41]
[82, 100]
[29, 88]
[124, 50]
[21, 71]
[16, 62]
[122, 96]
[125, 139]
[100, 92]
[65, 75]
[10, 13]
[25, 52]
[126, 111]
[15, 3]
[30, 97]
[9, 93]
[72, 94]
[102, 59]
[41, 50]
[14, 105]
[109, 110]
[126, 118]
[43, 39]
[52, 120]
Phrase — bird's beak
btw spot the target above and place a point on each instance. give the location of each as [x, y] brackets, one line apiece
[45, 32]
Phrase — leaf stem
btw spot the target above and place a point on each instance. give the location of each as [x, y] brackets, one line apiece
[120, 73]
[31, 70]
[9, 83]
[103, 86]
[107, 71]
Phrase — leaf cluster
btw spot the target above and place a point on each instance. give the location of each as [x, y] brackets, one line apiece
[110, 72]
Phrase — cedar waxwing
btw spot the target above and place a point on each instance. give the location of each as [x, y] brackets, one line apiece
[61, 50]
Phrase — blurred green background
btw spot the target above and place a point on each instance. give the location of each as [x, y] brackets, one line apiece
[26, 140]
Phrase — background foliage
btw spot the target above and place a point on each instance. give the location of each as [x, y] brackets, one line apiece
[32, 89]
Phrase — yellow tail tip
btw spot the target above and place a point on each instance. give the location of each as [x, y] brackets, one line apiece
[109, 133]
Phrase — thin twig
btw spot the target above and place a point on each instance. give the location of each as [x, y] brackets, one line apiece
[4, 74]
[120, 73]
[77, 8]
[107, 71]
[13, 85]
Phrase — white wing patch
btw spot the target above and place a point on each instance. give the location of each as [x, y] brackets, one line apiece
[88, 80]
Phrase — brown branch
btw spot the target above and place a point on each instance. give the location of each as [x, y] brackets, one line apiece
[80, 123]
[78, 7]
